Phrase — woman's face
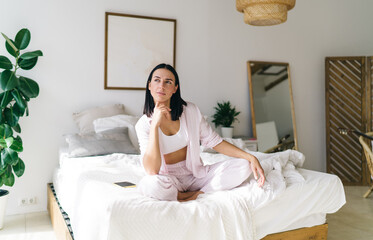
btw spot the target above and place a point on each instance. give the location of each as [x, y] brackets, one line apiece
[162, 86]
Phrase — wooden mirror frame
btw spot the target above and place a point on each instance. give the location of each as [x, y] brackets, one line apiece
[252, 98]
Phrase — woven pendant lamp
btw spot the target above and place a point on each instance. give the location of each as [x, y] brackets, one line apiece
[264, 12]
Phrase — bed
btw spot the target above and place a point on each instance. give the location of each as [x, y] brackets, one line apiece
[84, 202]
[306, 202]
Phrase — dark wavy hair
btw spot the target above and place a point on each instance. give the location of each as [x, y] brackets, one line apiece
[176, 103]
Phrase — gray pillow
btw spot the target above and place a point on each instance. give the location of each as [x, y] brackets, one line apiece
[107, 142]
[85, 119]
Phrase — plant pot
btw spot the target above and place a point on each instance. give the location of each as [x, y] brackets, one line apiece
[3, 200]
[227, 132]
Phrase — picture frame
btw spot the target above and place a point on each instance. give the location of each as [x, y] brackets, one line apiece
[134, 45]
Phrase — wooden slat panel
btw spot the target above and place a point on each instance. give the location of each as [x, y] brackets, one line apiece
[342, 116]
[341, 122]
[347, 70]
[345, 93]
[353, 162]
[369, 64]
[335, 73]
[344, 166]
[354, 68]
[346, 107]
[58, 222]
[347, 142]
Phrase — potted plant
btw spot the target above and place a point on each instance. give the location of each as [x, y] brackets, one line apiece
[225, 115]
[15, 93]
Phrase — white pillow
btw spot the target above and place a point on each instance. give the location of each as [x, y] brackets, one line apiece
[122, 120]
[85, 119]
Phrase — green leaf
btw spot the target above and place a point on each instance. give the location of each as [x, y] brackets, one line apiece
[6, 97]
[23, 38]
[19, 168]
[28, 87]
[8, 80]
[10, 180]
[19, 139]
[17, 127]
[2, 165]
[9, 155]
[8, 170]
[18, 111]
[2, 118]
[24, 95]
[30, 55]
[27, 64]
[10, 117]
[2, 170]
[19, 100]
[5, 131]
[9, 141]
[16, 145]
[3, 143]
[11, 46]
[5, 63]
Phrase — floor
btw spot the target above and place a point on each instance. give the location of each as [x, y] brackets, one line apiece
[353, 221]
[30, 226]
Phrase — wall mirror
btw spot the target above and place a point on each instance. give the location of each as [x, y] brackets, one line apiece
[272, 107]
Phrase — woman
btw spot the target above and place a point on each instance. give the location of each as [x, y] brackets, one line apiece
[170, 133]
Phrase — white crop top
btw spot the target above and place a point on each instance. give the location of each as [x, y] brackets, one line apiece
[169, 144]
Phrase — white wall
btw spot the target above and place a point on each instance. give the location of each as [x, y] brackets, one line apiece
[213, 45]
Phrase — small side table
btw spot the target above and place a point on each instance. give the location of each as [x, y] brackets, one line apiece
[250, 143]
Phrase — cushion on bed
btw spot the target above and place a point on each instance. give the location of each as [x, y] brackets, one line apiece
[85, 119]
[106, 142]
[117, 121]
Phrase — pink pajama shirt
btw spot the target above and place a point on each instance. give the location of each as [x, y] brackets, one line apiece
[190, 175]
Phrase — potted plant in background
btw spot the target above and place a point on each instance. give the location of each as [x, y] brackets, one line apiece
[15, 92]
[225, 115]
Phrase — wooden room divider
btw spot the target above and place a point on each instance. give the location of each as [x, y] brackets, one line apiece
[348, 86]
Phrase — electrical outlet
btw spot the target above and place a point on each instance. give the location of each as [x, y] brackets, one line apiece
[22, 202]
[32, 200]
[26, 201]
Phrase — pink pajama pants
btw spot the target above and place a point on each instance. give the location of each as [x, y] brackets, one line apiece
[220, 176]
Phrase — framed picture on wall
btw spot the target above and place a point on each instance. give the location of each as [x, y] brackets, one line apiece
[134, 45]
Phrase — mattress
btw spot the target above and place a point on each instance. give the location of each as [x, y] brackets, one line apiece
[302, 204]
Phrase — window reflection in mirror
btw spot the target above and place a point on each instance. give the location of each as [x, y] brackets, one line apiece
[272, 108]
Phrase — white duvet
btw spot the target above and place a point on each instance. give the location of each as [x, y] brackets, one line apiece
[100, 210]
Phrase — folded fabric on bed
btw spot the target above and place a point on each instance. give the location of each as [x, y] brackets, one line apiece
[106, 142]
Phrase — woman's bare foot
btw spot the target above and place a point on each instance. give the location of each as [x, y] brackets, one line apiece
[187, 196]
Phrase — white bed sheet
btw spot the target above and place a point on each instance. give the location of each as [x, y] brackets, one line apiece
[306, 202]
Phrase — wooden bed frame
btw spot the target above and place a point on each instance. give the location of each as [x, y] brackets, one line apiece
[61, 229]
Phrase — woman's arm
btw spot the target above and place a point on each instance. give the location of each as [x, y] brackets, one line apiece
[152, 159]
[233, 151]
